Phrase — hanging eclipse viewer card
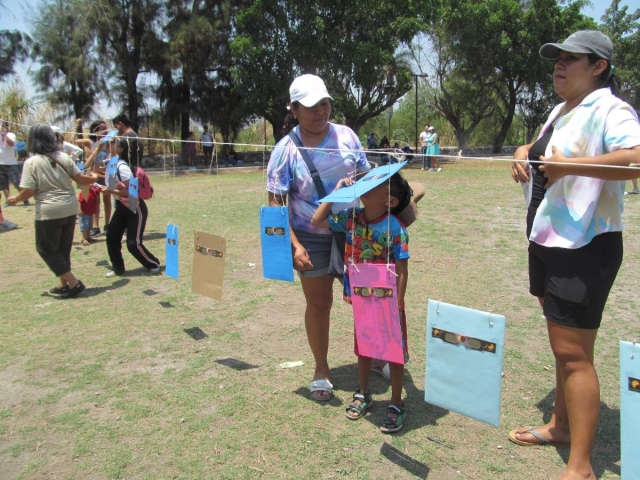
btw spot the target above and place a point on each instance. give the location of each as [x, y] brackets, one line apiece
[464, 360]
[112, 173]
[133, 194]
[371, 180]
[375, 311]
[171, 269]
[629, 409]
[275, 239]
[209, 252]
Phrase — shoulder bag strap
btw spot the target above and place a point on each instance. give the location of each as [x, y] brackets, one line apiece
[315, 176]
[60, 164]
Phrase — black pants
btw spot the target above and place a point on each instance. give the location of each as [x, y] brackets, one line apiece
[123, 220]
[54, 239]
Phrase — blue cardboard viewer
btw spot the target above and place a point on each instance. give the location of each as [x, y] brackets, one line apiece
[109, 136]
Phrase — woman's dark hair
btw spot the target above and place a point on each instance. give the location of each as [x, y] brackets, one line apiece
[400, 189]
[93, 129]
[607, 78]
[42, 139]
[290, 121]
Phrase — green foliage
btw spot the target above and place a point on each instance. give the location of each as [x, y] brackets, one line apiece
[127, 34]
[68, 72]
[489, 64]
[624, 30]
[358, 54]
[13, 48]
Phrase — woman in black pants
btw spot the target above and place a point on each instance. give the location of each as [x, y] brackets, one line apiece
[48, 176]
[133, 221]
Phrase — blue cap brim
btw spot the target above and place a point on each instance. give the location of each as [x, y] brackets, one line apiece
[371, 180]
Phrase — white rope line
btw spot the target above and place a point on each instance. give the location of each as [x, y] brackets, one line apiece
[396, 153]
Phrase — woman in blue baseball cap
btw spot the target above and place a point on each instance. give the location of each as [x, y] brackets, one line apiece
[574, 227]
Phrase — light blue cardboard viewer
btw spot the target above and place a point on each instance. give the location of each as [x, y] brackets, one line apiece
[275, 238]
[172, 249]
[464, 360]
[629, 410]
[133, 194]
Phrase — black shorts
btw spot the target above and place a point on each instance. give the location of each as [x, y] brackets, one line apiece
[575, 283]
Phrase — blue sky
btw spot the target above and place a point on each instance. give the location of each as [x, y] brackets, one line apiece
[15, 16]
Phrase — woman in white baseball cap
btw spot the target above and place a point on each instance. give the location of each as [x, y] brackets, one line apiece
[335, 152]
[574, 227]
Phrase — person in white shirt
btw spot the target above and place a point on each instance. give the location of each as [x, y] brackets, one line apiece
[424, 142]
[207, 144]
[9, 169]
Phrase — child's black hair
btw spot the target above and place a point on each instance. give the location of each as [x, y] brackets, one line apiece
[400, 189]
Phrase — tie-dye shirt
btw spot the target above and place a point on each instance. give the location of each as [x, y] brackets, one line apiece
[384, 239]
[576, 209]
[339, 155]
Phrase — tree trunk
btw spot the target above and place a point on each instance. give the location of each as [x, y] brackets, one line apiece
[499, 139]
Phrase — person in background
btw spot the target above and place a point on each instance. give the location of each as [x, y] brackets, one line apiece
[9, 168]
[372, 141]
[207, 145]
[133, 150]
[231, 157]
[433, 150]
[424, 142]
[635, 190]
[191, 150]
[48, 176]
[574, 227]
[97, 130]
[289, 181]
[125, 220]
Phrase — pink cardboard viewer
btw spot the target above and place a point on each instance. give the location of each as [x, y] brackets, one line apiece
[374, 299]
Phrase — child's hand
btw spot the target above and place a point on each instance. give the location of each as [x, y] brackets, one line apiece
[344, 182]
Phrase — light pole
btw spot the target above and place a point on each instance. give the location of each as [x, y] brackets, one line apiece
[416, 75]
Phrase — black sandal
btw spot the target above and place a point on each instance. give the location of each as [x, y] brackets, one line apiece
[59, 291]
[390, 424]
[75, 291]
[355, 411]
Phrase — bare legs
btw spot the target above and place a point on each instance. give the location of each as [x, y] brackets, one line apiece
[67, 279]
[577, 405]
[318, 293]
[108, 207]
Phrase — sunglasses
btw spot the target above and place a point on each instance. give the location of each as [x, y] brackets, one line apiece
[457, 339]
[634, 384]
[209, 251]
[173, 241]
[379, 292]
[274, 230]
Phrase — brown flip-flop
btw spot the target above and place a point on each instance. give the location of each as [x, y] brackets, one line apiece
[541, 441]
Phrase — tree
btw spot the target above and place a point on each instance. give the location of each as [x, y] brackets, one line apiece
[355, 52]
[501, 38]
[13, 49]
[361, 57]
[263, 58]
[127, 34]
[197, 36]
[68, 74]
[623, 29]
[461, 95]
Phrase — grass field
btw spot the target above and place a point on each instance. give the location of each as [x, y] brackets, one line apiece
[140, 378]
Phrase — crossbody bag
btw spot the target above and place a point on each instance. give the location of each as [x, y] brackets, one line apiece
[339, 240]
